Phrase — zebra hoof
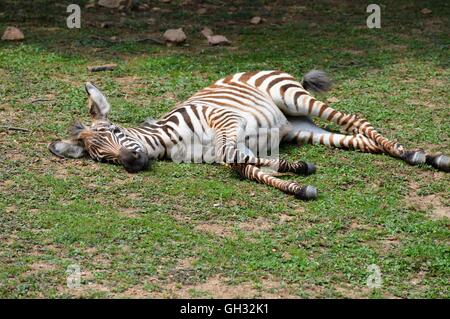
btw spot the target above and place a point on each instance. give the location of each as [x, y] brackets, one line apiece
[415, 157]
[306, 193]
[310, 169]
[440, 162]
[305, 168]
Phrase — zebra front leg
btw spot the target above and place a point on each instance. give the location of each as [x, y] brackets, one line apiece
[284, 166]
[228, 150]
[252, 172]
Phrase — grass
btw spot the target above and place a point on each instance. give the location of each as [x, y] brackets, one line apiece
[198, 230]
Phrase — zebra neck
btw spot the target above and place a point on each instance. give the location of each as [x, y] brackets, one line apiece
[154, 137]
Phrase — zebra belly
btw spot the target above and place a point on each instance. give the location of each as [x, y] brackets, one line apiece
[195, 148]
[304, 123]
[263, 140]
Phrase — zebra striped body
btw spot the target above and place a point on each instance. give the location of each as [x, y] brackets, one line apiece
[241, 116]
[234, 105]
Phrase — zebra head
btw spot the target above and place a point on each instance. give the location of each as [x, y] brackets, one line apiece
[103, 141]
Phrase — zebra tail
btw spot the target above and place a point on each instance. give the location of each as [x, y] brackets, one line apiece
[316, 81]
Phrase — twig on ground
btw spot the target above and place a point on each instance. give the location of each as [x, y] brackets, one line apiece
[106, 67]
[40, 100]
[12, 128]
[151, 39]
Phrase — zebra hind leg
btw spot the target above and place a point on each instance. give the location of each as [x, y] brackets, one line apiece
[438, 161]
[363, 131]
[295, 101]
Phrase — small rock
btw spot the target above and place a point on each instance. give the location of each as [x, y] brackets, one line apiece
[333, 99]
[425, 11]
[207, 32]
[156, 9]
[111, 4]
[12, 34]
[218, 40]
[256, 20]
[174, 36]
[143, 7]
[201, 11]
[106, 24]
[89, 5]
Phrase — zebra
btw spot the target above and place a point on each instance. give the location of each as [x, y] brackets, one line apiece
[232, 110]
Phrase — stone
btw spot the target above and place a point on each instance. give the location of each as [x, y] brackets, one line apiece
[256, 20]
[143, 7]
[13, 34]
[218, 40]
[111, 4]
[175, 36]
[89, 5]
[106, 24]
[207, 32]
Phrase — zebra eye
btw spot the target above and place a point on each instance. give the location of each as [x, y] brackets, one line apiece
[116, 130]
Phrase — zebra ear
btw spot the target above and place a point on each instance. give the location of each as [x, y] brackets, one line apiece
[66, 149]
[98, 104]
[72, 147]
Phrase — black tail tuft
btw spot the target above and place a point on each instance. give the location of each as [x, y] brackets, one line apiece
[316, 81]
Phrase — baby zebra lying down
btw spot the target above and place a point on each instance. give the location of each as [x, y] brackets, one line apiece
[236, 121]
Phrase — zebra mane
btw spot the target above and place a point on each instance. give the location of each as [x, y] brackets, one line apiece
[148, 121]
[76, 129]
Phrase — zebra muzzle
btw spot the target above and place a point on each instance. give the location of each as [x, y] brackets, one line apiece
[134, 161]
